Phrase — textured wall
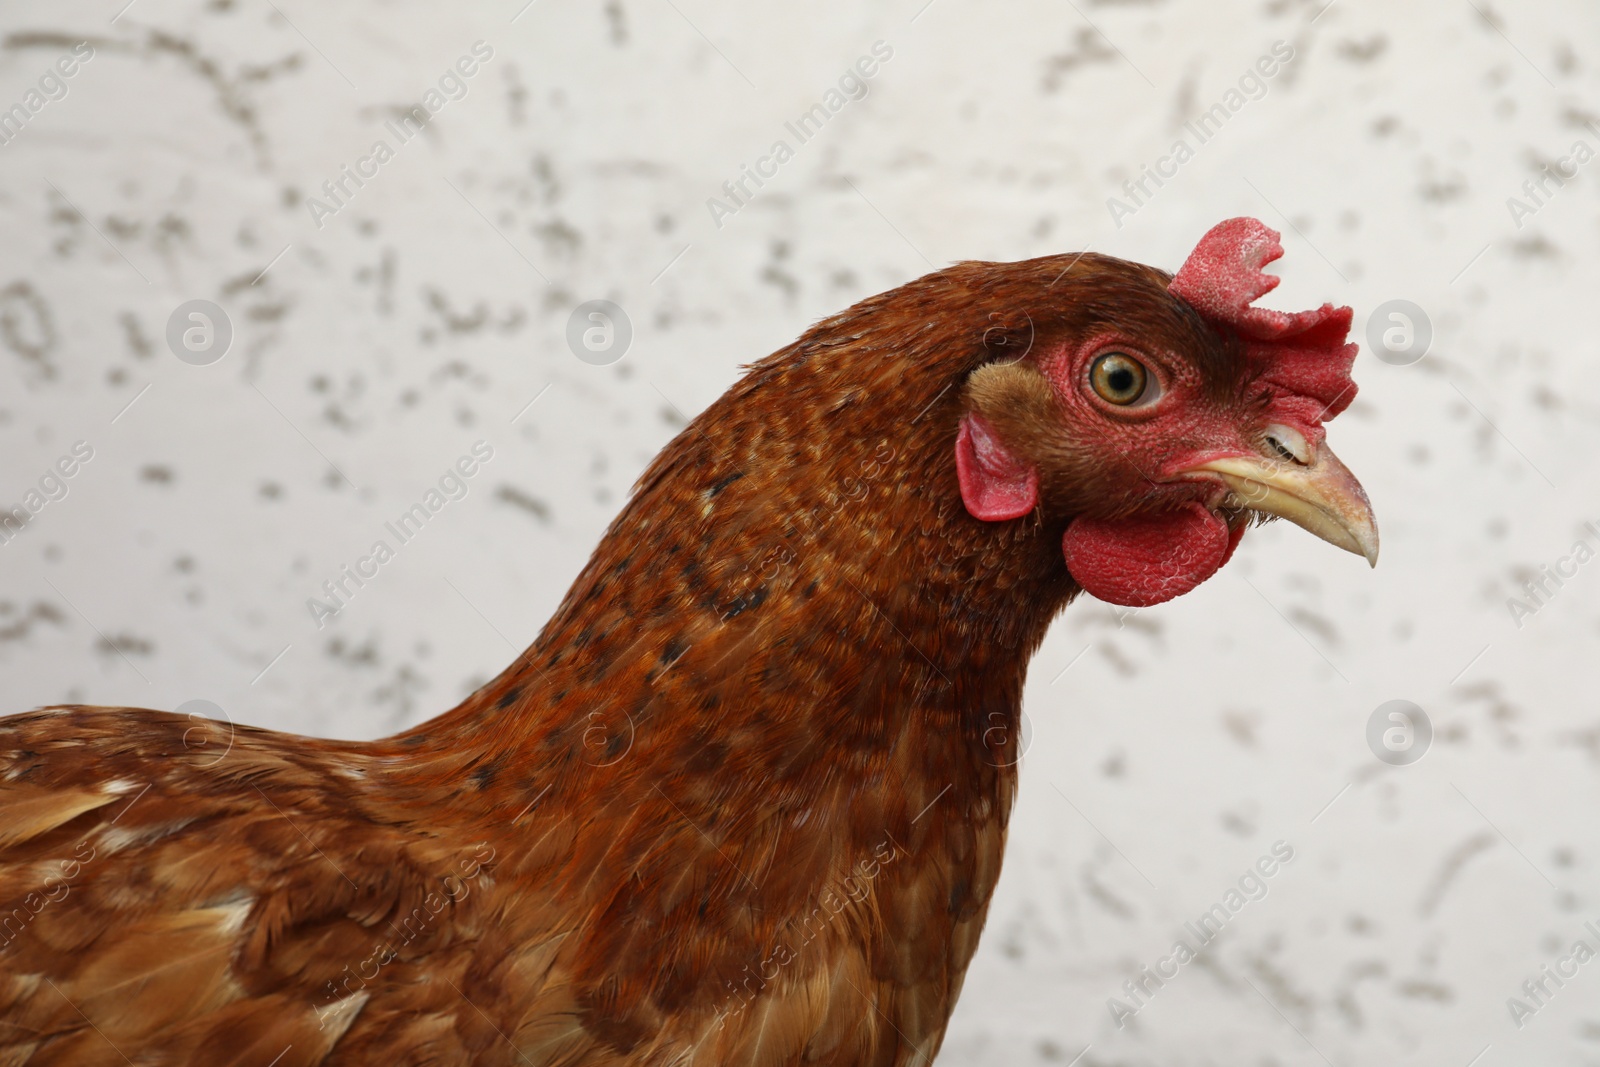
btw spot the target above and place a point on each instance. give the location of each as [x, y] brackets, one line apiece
[377, 337]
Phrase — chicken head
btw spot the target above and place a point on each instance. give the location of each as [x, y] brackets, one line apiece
[1158, 416]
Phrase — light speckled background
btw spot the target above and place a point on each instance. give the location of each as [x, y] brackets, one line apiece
[1183, 740]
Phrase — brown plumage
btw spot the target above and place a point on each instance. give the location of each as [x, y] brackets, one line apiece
[742, 802]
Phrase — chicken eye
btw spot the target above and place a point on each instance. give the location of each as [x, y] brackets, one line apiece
[1118, 378]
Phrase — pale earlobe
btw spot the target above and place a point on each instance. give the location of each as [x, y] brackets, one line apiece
[995, 484]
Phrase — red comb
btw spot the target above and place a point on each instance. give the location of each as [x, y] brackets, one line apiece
[1303, 355]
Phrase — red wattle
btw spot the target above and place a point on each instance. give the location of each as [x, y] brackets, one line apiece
[1147, 559]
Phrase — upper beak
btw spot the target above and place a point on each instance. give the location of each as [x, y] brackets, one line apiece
[1320, 495]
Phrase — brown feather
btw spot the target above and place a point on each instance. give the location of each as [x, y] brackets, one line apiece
[741, 802]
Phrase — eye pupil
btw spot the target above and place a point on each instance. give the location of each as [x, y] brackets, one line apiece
[1118, 378]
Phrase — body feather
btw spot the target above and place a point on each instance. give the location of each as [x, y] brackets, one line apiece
[742, 802]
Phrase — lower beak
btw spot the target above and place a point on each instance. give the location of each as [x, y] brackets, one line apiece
[1321, 496]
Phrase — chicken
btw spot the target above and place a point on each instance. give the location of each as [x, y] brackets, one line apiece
[744, 799]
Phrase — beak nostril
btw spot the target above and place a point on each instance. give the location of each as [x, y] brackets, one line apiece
[1323, 497]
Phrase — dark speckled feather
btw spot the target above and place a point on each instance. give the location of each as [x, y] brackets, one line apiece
[742, 802]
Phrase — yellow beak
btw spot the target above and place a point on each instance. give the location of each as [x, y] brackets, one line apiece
[1320, 495]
